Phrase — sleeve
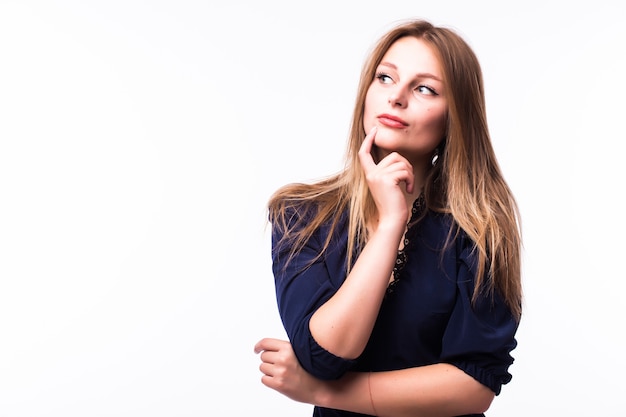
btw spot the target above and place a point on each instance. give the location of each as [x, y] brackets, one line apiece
[479, 338]
[302, 286]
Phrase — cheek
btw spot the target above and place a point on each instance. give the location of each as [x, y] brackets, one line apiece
[437, 120]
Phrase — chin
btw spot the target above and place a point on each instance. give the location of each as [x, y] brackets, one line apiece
[386, 139]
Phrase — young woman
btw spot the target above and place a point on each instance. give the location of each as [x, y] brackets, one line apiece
[398, 280]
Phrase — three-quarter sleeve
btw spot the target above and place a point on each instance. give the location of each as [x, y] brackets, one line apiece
[479, 337]
[304, 284]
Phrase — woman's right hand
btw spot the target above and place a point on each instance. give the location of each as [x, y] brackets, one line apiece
[389, 181]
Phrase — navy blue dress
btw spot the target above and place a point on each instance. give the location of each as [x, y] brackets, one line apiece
[428, 318]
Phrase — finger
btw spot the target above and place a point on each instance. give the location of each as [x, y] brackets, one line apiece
[401, 168]
[267, 369]
[262, 345]
[269, 356]
[268, 343]
[368, 141]
[404, 173]
[410, 184]
[365, 152]
[268, 381]
[259, 346]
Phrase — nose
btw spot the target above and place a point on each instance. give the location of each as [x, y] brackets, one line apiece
[397, 98]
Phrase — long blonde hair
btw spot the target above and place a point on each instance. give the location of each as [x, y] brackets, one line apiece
[466, 181]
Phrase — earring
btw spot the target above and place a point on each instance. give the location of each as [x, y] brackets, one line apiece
[433, 161]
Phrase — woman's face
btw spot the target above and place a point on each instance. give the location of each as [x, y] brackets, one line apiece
[406, 101]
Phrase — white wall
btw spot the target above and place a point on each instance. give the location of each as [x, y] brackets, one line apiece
[139, 142]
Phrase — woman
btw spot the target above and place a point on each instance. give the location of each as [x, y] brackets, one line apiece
[398, 280]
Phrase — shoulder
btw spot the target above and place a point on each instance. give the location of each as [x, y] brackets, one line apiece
[302, 223]
[299, 215]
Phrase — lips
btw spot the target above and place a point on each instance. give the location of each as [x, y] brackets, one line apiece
[392, 121]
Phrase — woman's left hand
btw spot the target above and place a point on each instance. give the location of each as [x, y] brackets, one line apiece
[283, 373]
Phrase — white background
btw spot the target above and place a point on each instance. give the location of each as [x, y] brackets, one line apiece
[140, 141]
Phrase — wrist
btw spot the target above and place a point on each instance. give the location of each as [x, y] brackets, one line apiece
[350, 392]
[323, 394]
[390, 232]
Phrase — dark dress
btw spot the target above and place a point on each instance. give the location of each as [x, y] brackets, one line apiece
[426, 317]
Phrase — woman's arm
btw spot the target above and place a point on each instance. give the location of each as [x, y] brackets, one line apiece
[344, 323]
[433, 390]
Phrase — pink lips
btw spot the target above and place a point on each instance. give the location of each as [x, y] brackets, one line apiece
[392, 121]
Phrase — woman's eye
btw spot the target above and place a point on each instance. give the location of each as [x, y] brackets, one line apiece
[384, 78]
[424, 89]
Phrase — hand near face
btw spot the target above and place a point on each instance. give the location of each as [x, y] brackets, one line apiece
[388, 180]
[283, 373]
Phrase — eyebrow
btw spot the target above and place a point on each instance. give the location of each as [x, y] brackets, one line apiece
[419, 74]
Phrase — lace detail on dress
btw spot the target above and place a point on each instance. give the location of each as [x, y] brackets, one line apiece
[401, 257]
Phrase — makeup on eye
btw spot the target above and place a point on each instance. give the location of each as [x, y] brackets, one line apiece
[425, 89]
[421, 88]
[383, 78]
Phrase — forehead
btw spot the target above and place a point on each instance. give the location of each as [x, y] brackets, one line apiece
[410, 54]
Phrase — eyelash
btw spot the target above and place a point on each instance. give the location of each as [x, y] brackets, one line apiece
[430, 89]
[381, 75]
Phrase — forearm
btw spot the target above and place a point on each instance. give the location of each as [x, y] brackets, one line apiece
[429, 391]
[344, 323]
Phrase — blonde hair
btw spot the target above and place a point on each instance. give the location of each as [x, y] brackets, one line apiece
[466, 182]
